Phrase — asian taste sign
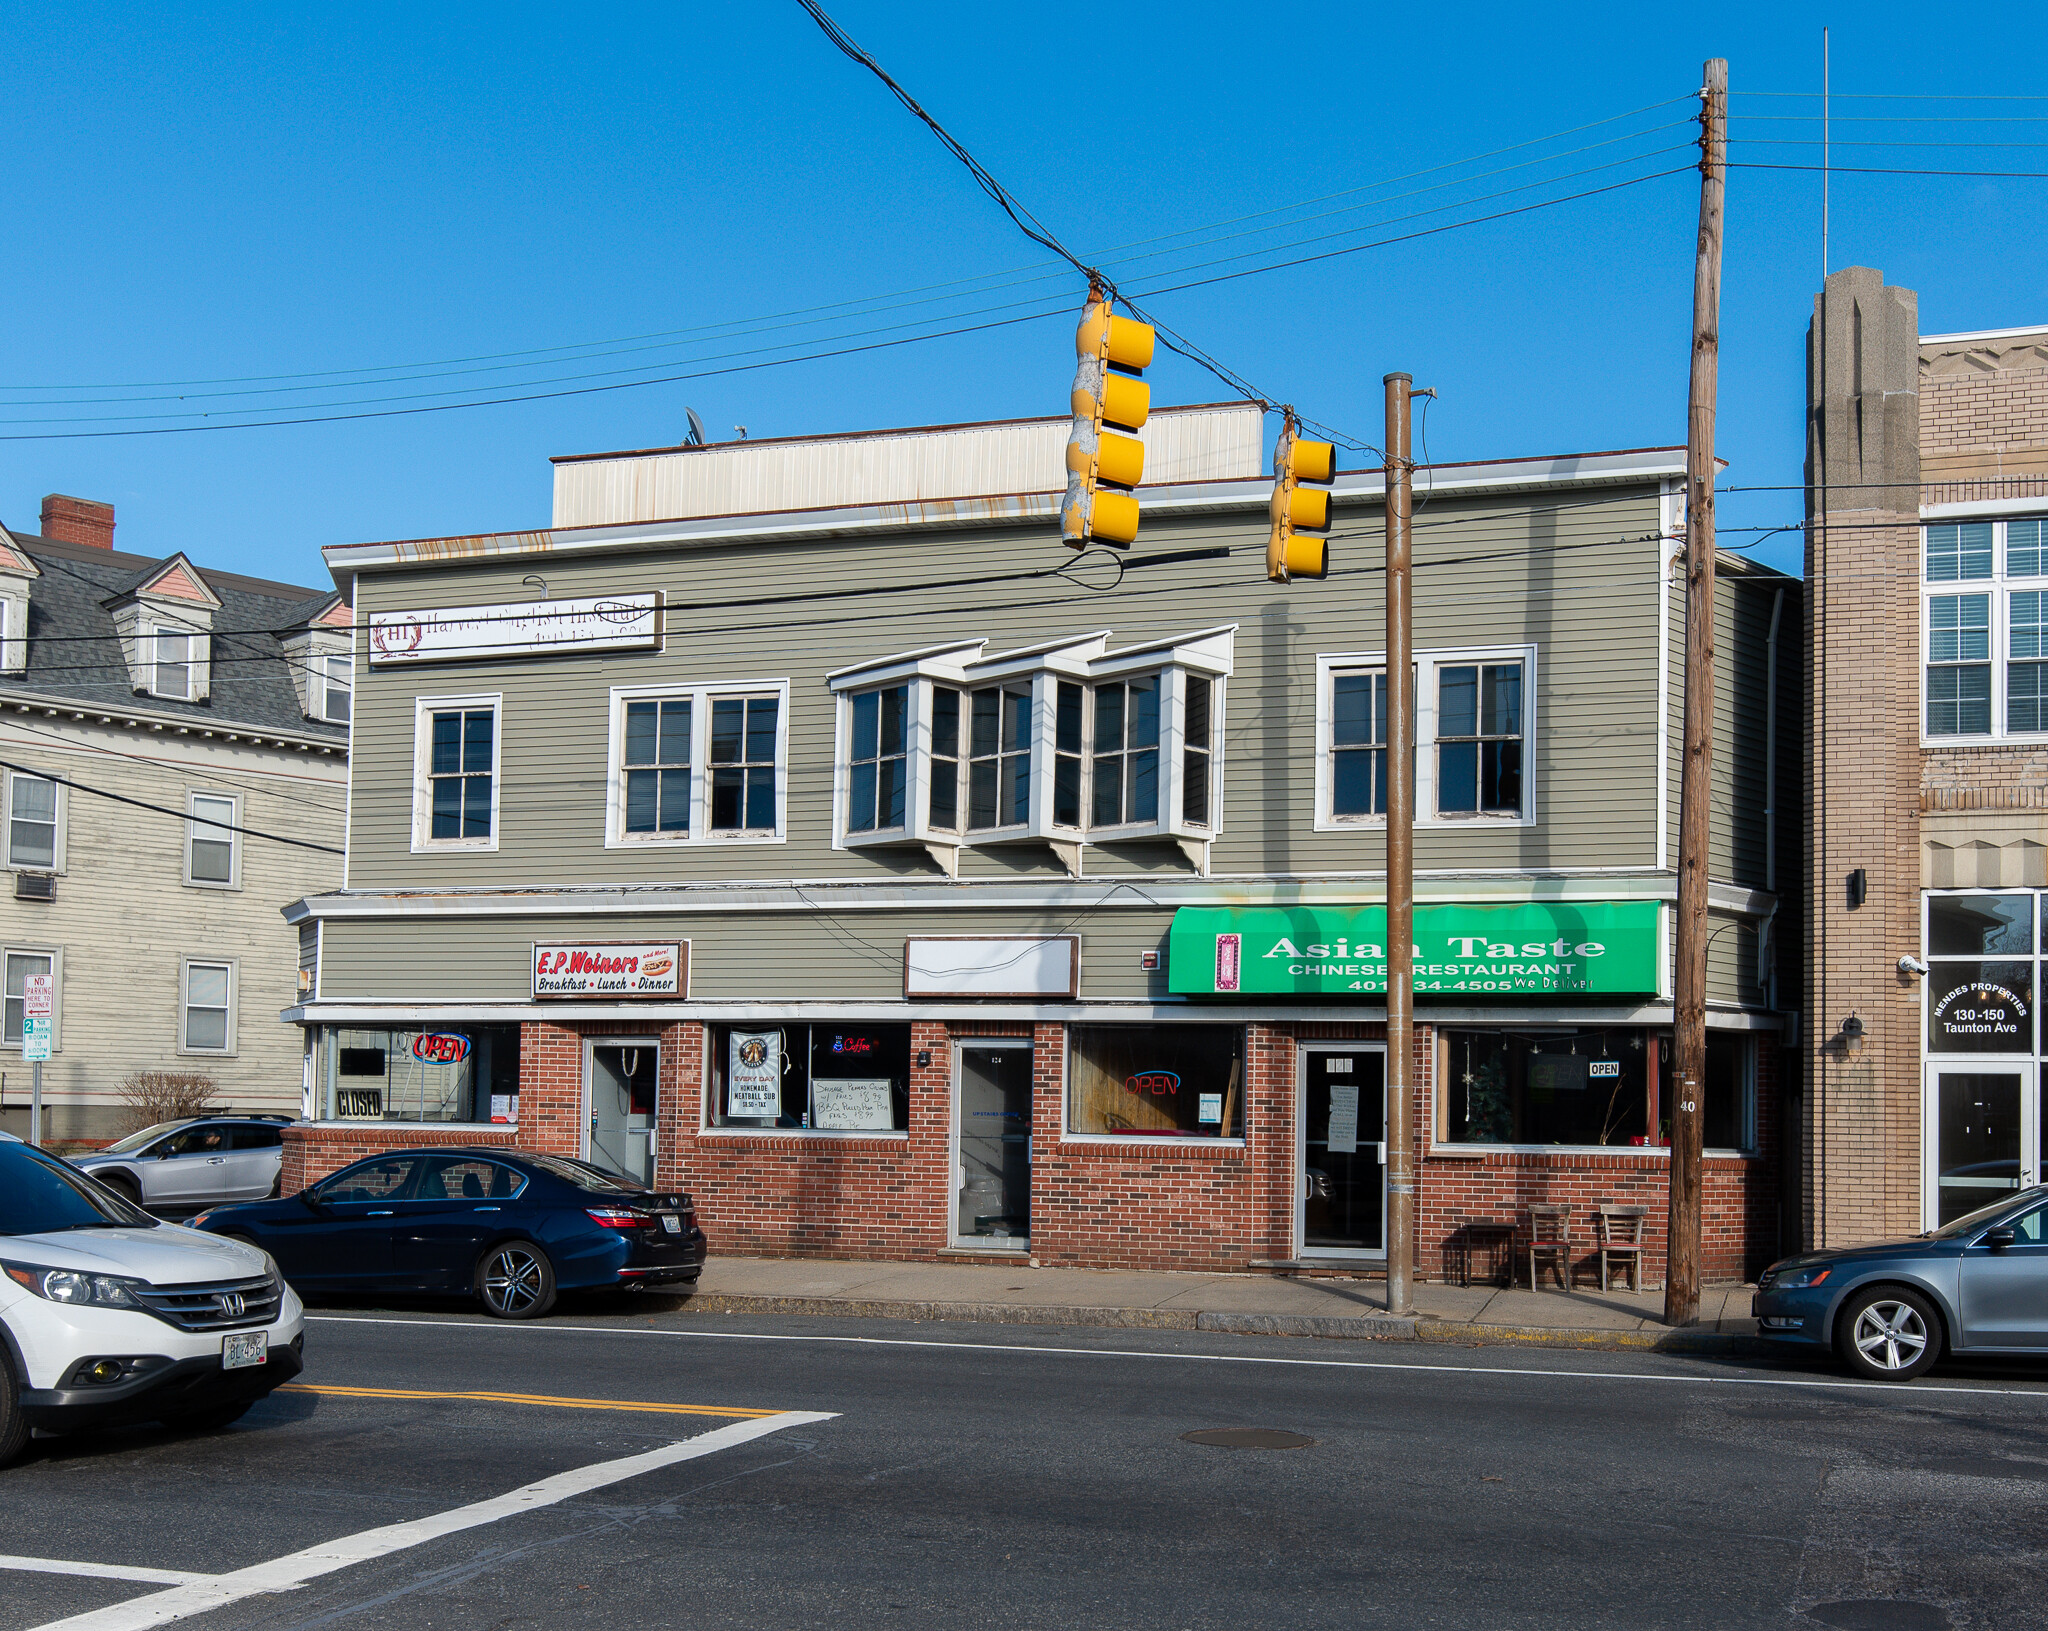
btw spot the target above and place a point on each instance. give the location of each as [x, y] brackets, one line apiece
[531, 628]
[612, 968]
[1524, 949]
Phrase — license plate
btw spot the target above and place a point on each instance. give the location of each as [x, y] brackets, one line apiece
[673, 1225]
[241, 1349]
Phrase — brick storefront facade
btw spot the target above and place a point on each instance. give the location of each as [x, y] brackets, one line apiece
[1195, 1204]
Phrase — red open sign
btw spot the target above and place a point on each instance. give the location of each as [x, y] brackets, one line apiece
[441, 1047]
[1159, 1083]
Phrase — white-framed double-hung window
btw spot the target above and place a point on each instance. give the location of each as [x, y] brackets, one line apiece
[213, 852]
[206, 1011]
[456, 750]
[1475, 730]
[1984, 629]
[173, 658]
[1067, 743]
[698, 764]
[35, 834]
[19, 962]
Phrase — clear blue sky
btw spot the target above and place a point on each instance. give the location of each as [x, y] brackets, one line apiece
[204, 193]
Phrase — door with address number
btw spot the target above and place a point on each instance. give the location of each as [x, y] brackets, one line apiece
[1340, 1207]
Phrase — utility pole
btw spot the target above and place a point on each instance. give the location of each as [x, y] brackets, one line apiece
[1688, 1071]
[1400, 853]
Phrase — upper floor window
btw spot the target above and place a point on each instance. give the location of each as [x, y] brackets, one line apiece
[171, 659]
[336, 678]
[207, 1023]
[1474, 719]
[20, 963]
[212, 858]
[31, 822]
[1985, 646]
[1066, 744]
[455, 772]
[695, 764]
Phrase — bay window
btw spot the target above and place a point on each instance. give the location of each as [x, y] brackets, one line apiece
[1065, 744]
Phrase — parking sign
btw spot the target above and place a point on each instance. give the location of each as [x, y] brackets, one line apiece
[38, 1014]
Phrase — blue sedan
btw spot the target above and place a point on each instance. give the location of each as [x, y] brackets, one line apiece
[1976, 1286]
[509, 1227]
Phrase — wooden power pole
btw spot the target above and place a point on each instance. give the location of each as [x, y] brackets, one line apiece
[1689, 1061]
[1400, 855]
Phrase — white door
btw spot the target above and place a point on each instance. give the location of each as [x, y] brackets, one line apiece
[619, 1075]
[1981, 1138]
[1340, 1190]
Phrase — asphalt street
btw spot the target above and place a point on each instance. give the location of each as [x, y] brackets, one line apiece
[973, 1476]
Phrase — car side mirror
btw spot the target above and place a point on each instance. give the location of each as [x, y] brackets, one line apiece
[309, 1200]
[1999, 1239]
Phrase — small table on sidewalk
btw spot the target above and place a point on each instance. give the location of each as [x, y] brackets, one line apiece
[1499, 1239]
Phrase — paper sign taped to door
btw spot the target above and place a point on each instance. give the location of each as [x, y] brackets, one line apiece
[851, 1106]
[1344, 1118]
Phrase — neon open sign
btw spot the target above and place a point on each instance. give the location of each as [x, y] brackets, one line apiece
[440, 1047]
[1159, 1083]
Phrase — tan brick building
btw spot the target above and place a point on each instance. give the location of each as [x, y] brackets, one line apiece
[1927, 643]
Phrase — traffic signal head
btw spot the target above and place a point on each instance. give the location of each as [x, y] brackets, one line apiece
[1297, 511]
[1102, 465]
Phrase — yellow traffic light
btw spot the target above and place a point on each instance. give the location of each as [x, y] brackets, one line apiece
[1297, 510]
[1103, 466]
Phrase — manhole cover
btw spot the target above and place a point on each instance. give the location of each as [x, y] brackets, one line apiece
[1879, 1614]
[1250, 1438]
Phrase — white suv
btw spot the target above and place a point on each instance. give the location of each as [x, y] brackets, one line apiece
[108, 1315]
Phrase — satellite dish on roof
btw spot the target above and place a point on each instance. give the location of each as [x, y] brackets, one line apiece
[696, 436]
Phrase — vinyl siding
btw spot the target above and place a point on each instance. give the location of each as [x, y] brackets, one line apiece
[1487, 573]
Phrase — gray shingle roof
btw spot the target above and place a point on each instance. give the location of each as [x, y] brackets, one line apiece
[73, 650]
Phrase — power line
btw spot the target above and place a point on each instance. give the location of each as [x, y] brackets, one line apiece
[1855, 170]
[163, 809]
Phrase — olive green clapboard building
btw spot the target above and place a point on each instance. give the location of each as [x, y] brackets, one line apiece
[801, 821]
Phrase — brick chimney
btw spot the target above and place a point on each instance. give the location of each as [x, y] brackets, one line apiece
[78, 521]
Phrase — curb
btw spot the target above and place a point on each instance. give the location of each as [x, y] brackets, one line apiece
[1371, 1328]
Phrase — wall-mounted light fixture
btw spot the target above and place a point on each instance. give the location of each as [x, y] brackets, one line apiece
[1851, 1034]
[1857, 889]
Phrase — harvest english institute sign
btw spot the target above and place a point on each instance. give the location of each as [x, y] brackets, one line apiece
[1524, 949]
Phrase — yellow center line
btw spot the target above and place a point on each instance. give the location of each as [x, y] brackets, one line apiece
[641, 1406]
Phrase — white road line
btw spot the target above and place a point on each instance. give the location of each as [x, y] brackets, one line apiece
[199, 1595]
[1844, 1384]
[102, 1571]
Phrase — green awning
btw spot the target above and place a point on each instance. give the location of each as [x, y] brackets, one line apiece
[1530, 948]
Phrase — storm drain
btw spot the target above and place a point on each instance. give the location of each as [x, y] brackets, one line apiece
[1249, 1438]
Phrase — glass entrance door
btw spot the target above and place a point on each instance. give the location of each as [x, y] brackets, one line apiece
[622, 1079]
[992, 1175]
[1982, 1134]
[1341, 1199]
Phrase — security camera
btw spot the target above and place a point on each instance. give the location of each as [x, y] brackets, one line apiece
[1909, 964]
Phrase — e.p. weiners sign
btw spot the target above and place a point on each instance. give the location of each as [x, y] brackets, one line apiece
[612, 968]
[534, 628]
[1524, 949]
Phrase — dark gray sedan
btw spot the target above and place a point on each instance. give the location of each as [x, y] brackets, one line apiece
[1978, 1285]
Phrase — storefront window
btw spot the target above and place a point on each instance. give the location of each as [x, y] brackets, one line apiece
[1156, 1081]
[441, 1073]
[1589, 1087]
[827, 1078]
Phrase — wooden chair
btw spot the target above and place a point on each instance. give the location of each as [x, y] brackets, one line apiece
[1550, 1236]
[1620, 1232]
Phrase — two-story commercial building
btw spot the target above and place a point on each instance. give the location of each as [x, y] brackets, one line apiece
[1928, 574]
[801, 823]
[174, 765]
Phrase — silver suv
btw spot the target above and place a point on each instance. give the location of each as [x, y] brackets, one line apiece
[193, 1163]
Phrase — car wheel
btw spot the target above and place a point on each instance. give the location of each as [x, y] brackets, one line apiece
[13, 1419]
[124, 1186]
[1888, 1334]
[516, 1281]
[210, 1420]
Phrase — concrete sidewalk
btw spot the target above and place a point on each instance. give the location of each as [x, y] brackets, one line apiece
[1012, 1292]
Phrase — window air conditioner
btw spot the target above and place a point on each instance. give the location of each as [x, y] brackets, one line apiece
[35, 886]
